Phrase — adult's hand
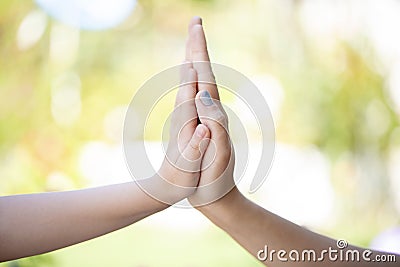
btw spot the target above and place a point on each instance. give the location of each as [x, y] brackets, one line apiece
[218, 162]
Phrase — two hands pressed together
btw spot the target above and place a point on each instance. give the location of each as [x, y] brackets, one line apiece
[199, 160]
[198, 154]
[198, 166]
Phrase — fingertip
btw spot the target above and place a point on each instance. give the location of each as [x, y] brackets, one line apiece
[200, 94]
[205, 98]
[198, 20]
[205, 129]
[195, 20]
[201, 131]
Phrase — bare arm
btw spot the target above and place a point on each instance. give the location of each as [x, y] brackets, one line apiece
[263, 234]
[38, 223]
[32, 224]
[249, 224]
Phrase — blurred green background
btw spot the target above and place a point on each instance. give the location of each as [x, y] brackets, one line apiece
[328, 69]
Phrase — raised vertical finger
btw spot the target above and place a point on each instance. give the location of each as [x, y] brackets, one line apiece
[185, 113]
[198, 43]
[201, 60]
[194, 21]
[188, 83]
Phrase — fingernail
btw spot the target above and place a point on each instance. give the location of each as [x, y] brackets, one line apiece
[206, 98]
[199, 19]
[200, 131]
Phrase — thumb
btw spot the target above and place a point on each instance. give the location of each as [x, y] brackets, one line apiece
[192, 155]
[210, 112]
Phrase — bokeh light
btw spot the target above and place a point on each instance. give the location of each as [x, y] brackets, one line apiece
[89, 14]
[329, 71]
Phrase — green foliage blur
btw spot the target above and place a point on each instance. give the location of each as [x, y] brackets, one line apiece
[334, 100]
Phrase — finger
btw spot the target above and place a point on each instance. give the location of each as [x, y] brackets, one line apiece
[188, 52]
[211, 113]
[185, 114]
[190, 159]
[187, 89]
[201, 60]
[198, 44]
[183, 71]
[194, 21]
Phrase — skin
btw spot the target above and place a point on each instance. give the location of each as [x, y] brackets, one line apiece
[51, 219]
[249, 224]
[32, 224]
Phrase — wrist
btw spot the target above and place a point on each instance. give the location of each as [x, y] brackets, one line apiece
[164, 191]
[224, 209]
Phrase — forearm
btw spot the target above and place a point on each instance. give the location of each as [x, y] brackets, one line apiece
[37, 223]
[255, 228]
[236, 215]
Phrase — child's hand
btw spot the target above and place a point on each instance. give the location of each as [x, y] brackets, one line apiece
[188, 141]
[189, 153]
